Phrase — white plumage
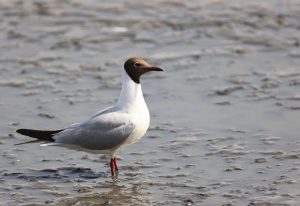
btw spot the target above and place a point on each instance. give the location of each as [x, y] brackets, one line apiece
[109, 130]
[122, 124]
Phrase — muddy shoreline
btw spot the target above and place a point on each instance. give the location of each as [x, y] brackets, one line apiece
[224, 115]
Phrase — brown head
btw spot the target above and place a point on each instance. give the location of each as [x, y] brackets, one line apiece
[135, 67]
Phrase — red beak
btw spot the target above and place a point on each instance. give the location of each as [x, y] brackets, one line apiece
[153, 68]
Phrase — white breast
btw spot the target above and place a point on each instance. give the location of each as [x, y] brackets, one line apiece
[141, 119]
[132, 101]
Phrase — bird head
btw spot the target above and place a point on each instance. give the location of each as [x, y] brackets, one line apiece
[136, 67]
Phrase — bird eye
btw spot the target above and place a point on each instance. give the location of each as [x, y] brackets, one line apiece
[137, 64]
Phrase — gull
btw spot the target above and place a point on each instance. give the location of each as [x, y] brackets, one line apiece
[108, 130]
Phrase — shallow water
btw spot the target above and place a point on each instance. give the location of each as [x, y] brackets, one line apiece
[224, 114]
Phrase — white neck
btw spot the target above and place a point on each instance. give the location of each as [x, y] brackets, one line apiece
[131, 94]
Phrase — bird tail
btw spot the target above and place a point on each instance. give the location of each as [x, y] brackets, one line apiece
[39, 134]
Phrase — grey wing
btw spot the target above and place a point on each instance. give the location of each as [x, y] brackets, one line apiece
[102, 132]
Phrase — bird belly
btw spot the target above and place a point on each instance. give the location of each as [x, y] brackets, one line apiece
[141, 126]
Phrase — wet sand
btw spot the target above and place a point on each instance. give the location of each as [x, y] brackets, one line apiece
[224, 115]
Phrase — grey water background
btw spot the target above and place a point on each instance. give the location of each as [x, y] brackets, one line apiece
[224, 115]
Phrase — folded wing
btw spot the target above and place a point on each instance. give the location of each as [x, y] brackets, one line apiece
[102, 132]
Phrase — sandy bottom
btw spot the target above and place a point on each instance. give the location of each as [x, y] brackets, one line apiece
[224, 115]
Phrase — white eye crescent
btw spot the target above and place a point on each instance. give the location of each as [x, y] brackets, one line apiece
[137, 64]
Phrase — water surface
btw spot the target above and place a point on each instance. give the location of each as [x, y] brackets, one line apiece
[224, 114]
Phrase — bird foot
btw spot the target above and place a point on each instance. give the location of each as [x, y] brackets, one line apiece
[113, 166]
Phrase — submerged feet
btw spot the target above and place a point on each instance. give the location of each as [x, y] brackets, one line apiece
[113, 166]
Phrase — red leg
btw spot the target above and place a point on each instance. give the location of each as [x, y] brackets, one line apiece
[112, 167]
[115, 164]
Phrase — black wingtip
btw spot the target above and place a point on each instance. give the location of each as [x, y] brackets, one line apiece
[39, 134]
[26, 132]
[20, 131]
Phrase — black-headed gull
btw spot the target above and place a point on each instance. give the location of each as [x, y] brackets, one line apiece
[113, 128]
